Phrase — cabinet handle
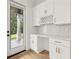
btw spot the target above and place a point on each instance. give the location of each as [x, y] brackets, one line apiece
[58, 42]
[58, 50]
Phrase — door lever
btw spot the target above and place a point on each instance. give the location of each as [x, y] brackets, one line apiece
[7, 31]
[8, 35]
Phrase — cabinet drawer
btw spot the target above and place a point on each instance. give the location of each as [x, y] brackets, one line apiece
[59, 42]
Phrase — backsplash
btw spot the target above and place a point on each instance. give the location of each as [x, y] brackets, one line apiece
[63, 30]
[59, 30]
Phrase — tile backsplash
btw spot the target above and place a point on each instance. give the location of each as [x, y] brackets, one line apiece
[63, 30]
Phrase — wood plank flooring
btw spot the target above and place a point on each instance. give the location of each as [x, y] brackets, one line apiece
[31, 55]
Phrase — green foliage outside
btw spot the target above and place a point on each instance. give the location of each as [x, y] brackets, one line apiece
[13, 36]
[13, 22]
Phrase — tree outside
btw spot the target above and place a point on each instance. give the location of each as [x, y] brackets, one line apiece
[13, 22]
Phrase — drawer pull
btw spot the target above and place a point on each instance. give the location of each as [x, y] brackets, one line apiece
[58, 42]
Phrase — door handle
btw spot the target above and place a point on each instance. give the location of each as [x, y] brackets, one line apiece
[8, 31]
[8, 34]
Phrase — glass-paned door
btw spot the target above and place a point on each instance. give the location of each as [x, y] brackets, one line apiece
[16, 26]
[16, 23]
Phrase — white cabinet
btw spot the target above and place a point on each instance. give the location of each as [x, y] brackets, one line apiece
[33, 42]
[61, 11]
[46, 12]
[43, 10]
[36, 17]
[46, 8]
[65, 52]
[58, 50]
[39, 43]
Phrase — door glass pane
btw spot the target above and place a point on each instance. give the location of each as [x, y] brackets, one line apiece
[16, 27]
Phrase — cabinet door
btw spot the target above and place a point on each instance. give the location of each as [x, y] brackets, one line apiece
[59, 52]
[50, 7]
[42, 9]
[36, 16]
[65, 53]
[53, 52]
[46, 8]
[62, 11]
[34, 45]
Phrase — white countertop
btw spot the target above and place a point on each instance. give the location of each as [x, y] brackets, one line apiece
[60, 38]
[54, 37]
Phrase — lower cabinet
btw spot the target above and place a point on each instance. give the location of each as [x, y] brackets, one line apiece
[33, 45]
[39, 43]
[59, 51]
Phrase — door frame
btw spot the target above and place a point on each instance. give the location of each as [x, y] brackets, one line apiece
[19, 48]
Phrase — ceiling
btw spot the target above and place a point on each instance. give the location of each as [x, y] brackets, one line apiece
[36, 2]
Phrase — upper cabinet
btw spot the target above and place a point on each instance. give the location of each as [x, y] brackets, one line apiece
[46, 8]
[43, 13]
[46, 12]
[61, 11]
[36, 16]
[52, 11]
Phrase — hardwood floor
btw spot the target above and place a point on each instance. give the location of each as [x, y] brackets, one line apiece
[31, 55]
